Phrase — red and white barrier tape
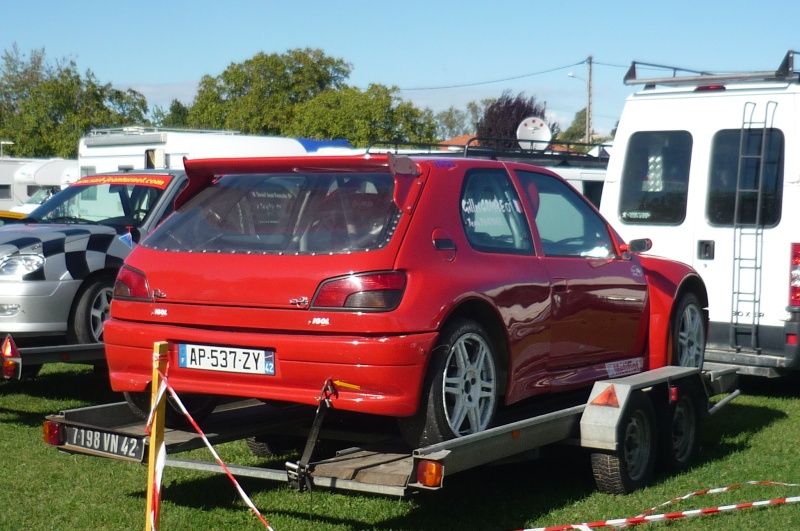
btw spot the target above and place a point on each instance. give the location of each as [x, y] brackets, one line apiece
[162, 452]
[647, 517]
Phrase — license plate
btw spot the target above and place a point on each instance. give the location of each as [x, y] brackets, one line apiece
[105, 443]
[226, 359]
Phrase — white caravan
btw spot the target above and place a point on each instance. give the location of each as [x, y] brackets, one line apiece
[706, 166]
[12, 193]
[43, 178]
[105, 150]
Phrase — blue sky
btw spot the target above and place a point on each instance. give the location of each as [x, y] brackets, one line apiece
[438, 52]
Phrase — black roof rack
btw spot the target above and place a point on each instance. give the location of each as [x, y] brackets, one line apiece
[785, 73]
[551, 153]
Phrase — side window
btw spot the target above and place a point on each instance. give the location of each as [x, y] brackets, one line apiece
[5, 191]
[756, 171]
[567, 225]
[491, 213]
[655, 178]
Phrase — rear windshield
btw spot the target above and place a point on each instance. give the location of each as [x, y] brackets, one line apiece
[277, 213]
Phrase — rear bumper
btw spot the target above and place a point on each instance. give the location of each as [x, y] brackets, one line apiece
[777, 349]
[376, 375]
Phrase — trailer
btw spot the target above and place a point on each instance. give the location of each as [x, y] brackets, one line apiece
[25, 362]
[629, 425]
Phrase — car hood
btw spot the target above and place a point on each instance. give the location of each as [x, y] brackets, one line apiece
[71, 251]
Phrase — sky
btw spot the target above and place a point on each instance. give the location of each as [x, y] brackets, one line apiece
[439, 53]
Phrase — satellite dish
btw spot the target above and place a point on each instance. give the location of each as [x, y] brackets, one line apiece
[533, 133]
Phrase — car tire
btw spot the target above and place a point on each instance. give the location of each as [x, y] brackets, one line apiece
[688, 333]
[274, 445]
[460, 392]
[92, 307]
[198, 406]
[631, 466]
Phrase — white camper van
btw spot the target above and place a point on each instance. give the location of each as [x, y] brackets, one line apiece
[43, 178]
[707, 166]
[12, 193]
[136, 148]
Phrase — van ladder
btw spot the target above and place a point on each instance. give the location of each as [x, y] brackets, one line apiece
[748, 230]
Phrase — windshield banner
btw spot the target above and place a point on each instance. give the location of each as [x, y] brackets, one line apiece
[156, 181]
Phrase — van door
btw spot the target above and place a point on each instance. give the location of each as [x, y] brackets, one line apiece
[743, 198]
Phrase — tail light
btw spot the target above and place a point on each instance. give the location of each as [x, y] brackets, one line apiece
[794, 276]
[12, 362]
[364, 292]
[54, 433]
[132, 284]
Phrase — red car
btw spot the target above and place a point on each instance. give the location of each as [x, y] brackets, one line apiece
[431, 289]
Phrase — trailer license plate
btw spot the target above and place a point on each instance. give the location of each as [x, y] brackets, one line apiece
[106, 443]
[226, 359]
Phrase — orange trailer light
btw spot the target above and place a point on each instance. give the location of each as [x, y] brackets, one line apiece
[430, 473]
[12, 363]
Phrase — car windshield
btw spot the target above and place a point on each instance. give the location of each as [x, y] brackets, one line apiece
[277, 213]
[116, 201]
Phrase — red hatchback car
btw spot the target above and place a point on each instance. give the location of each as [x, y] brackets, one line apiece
[431, 289]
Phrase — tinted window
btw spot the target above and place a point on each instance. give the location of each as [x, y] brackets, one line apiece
[314, 213]
[567, 225]
[655, 178]
[764, 170]
[491, 214]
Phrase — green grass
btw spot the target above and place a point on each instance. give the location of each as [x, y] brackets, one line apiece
[754, 438]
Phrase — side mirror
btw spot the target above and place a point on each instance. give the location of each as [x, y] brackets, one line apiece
[640, 245]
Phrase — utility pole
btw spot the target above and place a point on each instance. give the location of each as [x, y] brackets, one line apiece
[589, 101]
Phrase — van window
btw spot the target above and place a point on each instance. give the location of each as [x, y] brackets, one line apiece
[723, 173]
[655, 178]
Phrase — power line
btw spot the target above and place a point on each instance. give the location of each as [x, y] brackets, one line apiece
[497, 80]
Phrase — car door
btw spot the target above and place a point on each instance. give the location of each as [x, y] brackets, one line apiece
[598, 298]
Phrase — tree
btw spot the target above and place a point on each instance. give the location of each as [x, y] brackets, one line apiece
[362, 117]
[502, 117]
[452, 123]
[177, 116]
[259, 96]
[576, 132]
[46, 108]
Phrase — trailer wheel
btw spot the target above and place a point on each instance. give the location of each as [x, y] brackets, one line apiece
[460, 392]
[680, 429]
[630, 467]
[92, 308]
[688, 333]
[198, 406]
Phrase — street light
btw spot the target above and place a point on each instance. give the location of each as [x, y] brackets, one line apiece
[588, 98]
[4, 143]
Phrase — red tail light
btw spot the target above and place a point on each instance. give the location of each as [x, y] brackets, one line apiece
[794, 276]
[132, 284]
[53, 433]
[366, 292]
